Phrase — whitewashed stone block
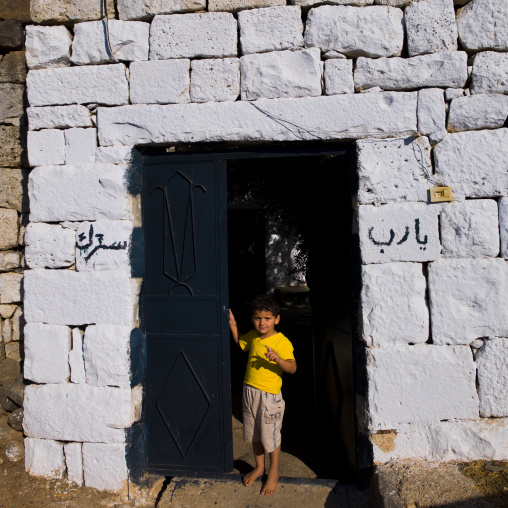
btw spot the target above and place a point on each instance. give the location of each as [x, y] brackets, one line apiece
[430, 26]
[448, 69]
[393, 309]
[490, 73]
[448, 440]
[76, 361]
[483, 24]
[398, 232]
[474, 163]
[105, 466]
[72, 412]
[492, 363]
[10, 287]
[420, 384]
[103, 245]
[392, 170]
[470, 229]
[127, 9]
[46, 147]
[468, 299]
[349, 116]
[480, 111]
[160, 81]
[44, 458]
[271, 29]
[44, 11]
[339, 76]
[54, 117]
[238, 5]
[100, 84]
[393, 3]
[128, 40]
[80, 146]
[46, 353]
[74, 463]
[9, 228]
[431, 111]
[281, 74]
[49, 246]
[206, 35]
[59, 193]
[453, 93]
[47, 46]
[503, 226]
[118, 154]
[106, 352]
[77, 298]
[359, 3]
[215, 80]
[356, 31]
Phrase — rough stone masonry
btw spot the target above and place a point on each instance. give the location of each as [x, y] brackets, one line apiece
[434, 318]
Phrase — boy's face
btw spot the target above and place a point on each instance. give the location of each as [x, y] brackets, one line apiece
[264, 322]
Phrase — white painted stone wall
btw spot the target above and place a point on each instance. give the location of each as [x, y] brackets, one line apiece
[248, 71]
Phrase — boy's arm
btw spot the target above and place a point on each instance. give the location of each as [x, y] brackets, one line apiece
[234, 328]
[288, 366]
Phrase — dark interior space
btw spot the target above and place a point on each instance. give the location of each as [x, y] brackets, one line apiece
[309, 198]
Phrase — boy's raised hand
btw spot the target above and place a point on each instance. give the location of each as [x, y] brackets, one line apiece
[272, 355]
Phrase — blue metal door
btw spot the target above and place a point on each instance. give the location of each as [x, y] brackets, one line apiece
[188, 406]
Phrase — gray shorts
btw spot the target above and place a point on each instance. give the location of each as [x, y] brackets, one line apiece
[262, 417]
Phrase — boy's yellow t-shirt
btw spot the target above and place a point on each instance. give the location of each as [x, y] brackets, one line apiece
[260, 372]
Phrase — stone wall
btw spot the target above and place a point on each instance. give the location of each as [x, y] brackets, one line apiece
[420, 85]
[13, 217]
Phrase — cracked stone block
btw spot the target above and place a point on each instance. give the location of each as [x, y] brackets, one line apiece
[106, 351]
[420, 384]
[74, 463]
[375, 31]
[49, 246]
[46, 147]
[215, 80]
[105, 466]
[44, 457]
[55, 117]
[470, 229]
[77, 193]
[393, 170]
[490, 73]
[338, 76]
[430, 26]
[398, 232]
[96, 84]
[80, 146]
[46, 353]
[103, 245]
[200, 35]
[47, 46]
[271, 29]
[473, 163]
[281, 74]
[447, 69]
[147, 9]
[76, 361]
[480, 111]
[160, 81]
[483, 25]
[77, 412]
[128, 41]
[468, 299]
[77, 298]
[394, 311]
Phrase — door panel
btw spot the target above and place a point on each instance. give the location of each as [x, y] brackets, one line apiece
[188, 407]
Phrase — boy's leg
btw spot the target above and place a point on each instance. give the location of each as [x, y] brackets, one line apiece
[259, 455]
[273, 473]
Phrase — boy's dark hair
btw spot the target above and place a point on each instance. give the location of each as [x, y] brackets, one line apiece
[266, 303]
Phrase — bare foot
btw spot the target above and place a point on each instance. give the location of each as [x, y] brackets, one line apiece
[251, 477]
[271, 484]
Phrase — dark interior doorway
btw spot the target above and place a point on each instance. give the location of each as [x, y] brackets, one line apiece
[308, 198]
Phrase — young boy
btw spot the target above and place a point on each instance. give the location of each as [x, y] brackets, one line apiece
[270, 354]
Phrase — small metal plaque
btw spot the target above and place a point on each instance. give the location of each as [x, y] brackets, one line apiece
[440, 194]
